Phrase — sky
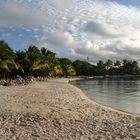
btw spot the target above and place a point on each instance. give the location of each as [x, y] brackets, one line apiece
[76, 29]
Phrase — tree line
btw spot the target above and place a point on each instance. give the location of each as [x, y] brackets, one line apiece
[43, 62]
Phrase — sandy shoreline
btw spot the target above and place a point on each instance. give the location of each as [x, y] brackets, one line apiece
[57, 110]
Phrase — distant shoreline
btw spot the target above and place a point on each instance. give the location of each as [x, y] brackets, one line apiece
[108, 76]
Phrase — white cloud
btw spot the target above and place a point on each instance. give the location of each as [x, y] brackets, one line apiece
[59, 39]
[61, 4]
[14, 13]
[100, 29]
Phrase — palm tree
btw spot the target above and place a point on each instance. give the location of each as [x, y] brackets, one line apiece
[68, 69]
[52, 64]
[100, 68]
[58, 71]
[117, 64]
[108, 64]
[34, 59]
[7, 56]
[135, 68]
[71, 71]
[44, 51]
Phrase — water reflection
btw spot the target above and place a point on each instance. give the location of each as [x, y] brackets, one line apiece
[122, 94]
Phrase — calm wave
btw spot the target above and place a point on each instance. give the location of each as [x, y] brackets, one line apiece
[119, 94]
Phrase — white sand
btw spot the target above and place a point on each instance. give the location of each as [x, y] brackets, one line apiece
[56, 110]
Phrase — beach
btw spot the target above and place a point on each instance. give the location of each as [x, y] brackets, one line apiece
[57, 110]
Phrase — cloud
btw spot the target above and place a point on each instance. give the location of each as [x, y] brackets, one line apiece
[60, 39]
[14, 13]
[61, 5]
[100, 29]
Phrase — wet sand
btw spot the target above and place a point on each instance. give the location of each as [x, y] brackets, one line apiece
[57, 110]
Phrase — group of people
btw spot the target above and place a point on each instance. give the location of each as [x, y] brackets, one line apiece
[21, 81]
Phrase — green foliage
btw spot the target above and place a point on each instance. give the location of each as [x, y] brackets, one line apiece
[101, 68]
[106, 68]
[7, 59]
[83, 68]
[43, 62]
[68, 69]
[108, 64]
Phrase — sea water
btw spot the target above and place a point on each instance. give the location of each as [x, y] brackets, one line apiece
[121, 94]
